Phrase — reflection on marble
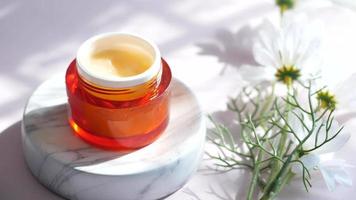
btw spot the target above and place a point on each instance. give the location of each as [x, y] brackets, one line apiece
[75, 170]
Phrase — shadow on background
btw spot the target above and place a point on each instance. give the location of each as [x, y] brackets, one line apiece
[233, 49]
[14, 174]
[39, 38]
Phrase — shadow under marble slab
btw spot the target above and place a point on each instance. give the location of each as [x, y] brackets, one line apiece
[16, 181]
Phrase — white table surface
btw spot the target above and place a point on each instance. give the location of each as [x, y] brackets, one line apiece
[40, 38]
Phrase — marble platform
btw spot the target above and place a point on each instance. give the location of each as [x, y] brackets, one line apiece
[78, 171]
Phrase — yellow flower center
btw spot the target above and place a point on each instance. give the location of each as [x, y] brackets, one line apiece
[326, 100]
[285, 5]
[287, 74]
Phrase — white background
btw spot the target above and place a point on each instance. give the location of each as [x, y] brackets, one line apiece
[39, 39]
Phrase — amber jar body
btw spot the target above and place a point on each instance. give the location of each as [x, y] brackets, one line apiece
[124, 124]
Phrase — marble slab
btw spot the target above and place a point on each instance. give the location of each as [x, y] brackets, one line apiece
[78, 171]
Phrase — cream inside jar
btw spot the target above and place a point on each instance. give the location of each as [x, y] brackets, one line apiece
[118, 60]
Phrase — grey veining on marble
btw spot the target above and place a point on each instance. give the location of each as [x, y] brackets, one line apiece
[76, 170]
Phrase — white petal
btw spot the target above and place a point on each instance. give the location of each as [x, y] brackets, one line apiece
[263, 57]
[335, 174]
[310, 161]
[345, 98]
[290, 44]
[304, 59]
[301, 42]
[347, 3]
[328, 178]
[266, 48]
[267, 35]
[328, 160]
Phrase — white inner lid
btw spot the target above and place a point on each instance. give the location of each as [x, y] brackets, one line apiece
[118, 60]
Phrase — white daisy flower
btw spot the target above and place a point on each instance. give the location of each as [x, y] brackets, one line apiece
[333, 170]
[337, 95]
[286, 52]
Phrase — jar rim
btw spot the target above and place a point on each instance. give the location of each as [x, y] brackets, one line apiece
[115, 81]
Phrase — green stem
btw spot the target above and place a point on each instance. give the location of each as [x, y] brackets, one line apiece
[273, 188]
[276, 165]
[255, 177]
[284, 136]
[282, 9]
[269, 102]
[286, 180]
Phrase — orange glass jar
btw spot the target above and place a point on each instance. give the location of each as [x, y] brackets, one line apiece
[118, 112]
